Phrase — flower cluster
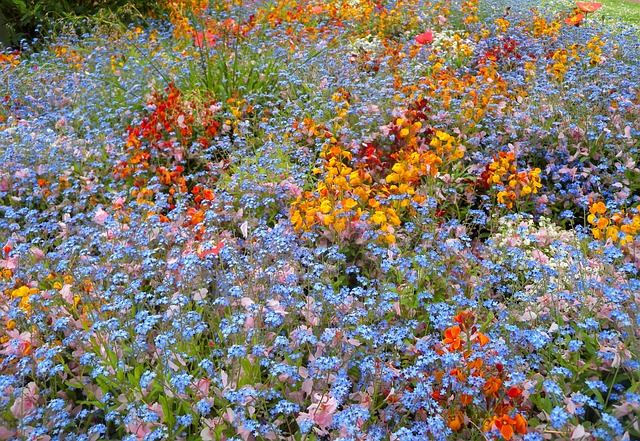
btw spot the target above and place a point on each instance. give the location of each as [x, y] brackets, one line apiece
[622, 226]
[484, 394]
[511, 184]
[382, 179]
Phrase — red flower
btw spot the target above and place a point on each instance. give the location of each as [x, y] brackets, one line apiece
[425, 38]
[207, 38]
[574, 19]
[514, 392]
[588, 7]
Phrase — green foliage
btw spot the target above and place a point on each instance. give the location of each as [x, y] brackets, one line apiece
[26, 19]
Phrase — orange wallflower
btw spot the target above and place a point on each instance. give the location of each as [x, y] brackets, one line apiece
[482, 339]
[452, 338]
[574, 19]
[521, 423]
[492, 386]
[465, 319]
[455, 422]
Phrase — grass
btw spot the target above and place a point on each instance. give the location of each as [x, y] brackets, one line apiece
[625, 11]
[618, 12]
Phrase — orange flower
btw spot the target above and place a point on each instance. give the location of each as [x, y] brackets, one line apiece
[482, 339]
[466, 399]
[455, 422]
[452, 338]
[476, 364]
[195, 216]
[458, 374]
[521, 423]
[492, 386]
[598, 208]
[465, 319]
[588, 7]
[574, 19]
[208, 194]
[504, 424]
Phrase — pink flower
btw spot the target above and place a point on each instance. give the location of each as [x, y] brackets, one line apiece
[425, 38]
[321, 412]
[6, 433]
[540, 257]
[208, 433]
[10, 263]
[66, 293]
[100, 216]
[18, 344]
[27, 403]
[140, 428]
[276, 307]
[203, 387]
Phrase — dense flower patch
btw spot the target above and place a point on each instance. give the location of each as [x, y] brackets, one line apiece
[339, 220]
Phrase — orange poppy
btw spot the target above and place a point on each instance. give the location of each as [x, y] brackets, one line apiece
[588, 7]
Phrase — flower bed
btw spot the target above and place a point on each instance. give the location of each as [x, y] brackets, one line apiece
[295, 220]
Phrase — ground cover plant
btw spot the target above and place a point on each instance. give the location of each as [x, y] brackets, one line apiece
[340, 220]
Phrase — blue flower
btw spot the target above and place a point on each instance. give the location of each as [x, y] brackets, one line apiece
[559, 417]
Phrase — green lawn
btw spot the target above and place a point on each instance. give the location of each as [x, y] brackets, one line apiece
[614, 10]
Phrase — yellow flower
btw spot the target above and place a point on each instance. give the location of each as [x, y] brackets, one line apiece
[20, 292]
[325, 206]
[379, 217]
[602, 223]
[598, 208]
[457, 154]
[354, 179]
[390, 239]
[349, 203]
[25, 304]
